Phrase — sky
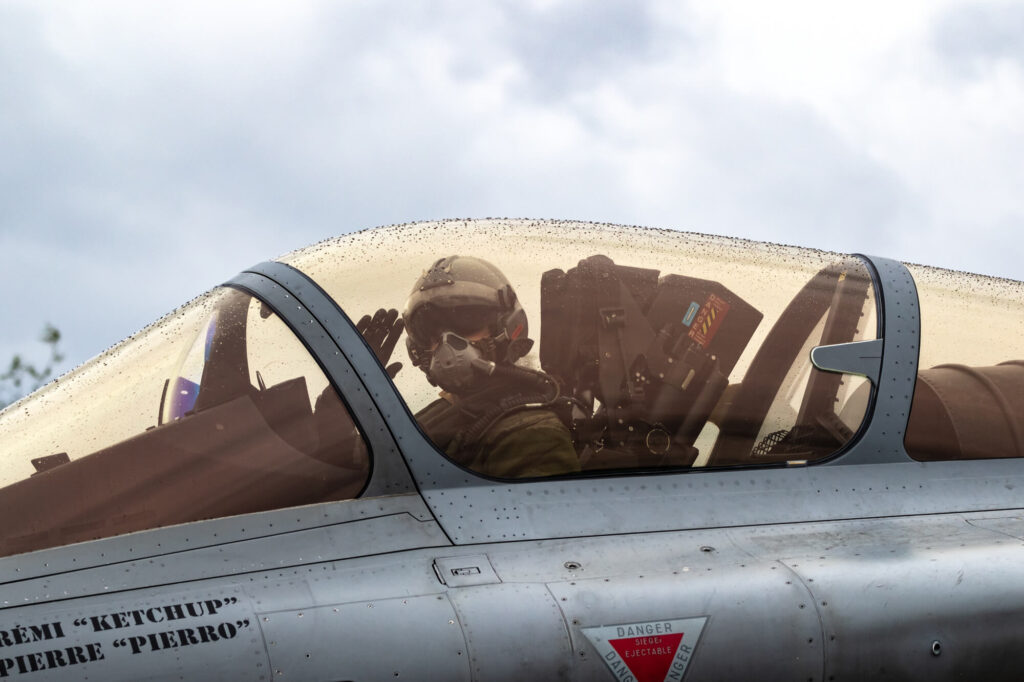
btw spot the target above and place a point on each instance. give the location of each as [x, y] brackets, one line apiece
[150, 151]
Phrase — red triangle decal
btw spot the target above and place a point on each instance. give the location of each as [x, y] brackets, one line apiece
[648, 658]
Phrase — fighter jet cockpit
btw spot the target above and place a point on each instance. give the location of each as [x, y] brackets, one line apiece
[552, 354]
[523, 350]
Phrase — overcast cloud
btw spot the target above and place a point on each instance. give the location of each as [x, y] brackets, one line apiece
[149, 151]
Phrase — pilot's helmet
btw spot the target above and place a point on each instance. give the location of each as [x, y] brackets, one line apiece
[467, 297]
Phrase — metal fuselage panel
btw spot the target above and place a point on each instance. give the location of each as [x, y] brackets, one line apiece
[932, 597]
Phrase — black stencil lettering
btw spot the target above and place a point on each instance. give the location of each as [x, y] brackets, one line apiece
[168, 640]
[175, 612]
[95, 652]
[34, 633]
[135, 643]
[187, 636]
[181, 637]
[51, 659]
[55, 659]
[120, 619]
[207, 634]
[36, 662]
[213, 605]
[100, 623]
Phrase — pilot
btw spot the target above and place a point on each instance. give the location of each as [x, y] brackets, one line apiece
[466, 330]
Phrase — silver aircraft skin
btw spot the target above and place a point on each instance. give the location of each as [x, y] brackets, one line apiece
[867, 565]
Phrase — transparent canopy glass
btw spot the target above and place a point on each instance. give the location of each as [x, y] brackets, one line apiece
[216, 410]
[969, 397]
[708, 364]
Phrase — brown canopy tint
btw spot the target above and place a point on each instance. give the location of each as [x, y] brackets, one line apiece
[216, 410]
[674, 350]
[969, 398]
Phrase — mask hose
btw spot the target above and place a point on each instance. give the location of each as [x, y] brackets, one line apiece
[547, 393]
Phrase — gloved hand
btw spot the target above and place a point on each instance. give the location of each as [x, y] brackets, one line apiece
[381, 332]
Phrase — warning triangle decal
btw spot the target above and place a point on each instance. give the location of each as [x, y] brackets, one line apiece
[648, 658]
[648, 651]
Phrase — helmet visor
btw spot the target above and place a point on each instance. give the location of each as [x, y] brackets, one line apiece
[428, 322]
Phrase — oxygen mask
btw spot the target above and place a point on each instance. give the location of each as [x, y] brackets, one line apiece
[457, 365]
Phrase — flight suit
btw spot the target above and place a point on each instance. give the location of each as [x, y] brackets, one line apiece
[523, 443]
